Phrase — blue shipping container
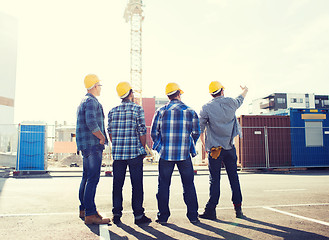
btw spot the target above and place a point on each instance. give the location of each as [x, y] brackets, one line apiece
[309, 137]
[31, 148]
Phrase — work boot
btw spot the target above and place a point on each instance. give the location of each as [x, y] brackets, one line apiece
[98, 215]
[209, 214]
[96, 219]
[82, 214]
[195, 221]
[143, 220]
[161, 222]
[116, 219]
[238, 211]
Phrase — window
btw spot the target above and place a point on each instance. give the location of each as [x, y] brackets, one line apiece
[326, 102]
[293, 100]
[313, 134]
[317, 101]
[301, 100]
[281, 100]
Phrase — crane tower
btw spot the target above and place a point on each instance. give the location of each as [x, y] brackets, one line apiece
[134, 14]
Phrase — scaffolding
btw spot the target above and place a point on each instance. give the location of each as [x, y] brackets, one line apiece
[134, 14]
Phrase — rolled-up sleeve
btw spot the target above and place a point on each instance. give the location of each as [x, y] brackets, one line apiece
[237, 102]
[91, 120]
[203, 119]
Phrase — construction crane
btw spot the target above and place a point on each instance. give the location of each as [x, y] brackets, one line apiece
[134, 14]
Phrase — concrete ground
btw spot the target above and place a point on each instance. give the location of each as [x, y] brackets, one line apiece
[278, 205]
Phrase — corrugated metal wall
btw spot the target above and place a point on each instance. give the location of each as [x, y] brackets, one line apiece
[304, 155]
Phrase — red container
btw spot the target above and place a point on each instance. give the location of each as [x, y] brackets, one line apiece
[265, 142]
[149, 110]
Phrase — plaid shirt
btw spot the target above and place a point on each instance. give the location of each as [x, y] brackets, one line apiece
[126, 123]
[90, 118]
[175, 131]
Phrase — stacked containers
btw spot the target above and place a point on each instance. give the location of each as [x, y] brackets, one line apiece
[265, 143]
[309, 137]
[31, 151]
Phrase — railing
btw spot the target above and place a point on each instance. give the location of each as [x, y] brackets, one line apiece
[260, 147]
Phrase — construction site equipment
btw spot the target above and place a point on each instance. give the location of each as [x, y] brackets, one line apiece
[134, 14]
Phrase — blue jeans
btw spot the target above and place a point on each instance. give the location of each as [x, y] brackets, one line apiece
[229, 158]
[136, 178]
[186, 171]
[92, 161]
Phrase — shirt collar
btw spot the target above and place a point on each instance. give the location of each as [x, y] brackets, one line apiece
[216, 98]
[125, 101]
[92, 96]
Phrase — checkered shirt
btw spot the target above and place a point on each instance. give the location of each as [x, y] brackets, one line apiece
[90, 118]
[126, 123]
[175, 131]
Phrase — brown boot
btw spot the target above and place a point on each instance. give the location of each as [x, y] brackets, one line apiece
[95, 219]
[98, 215]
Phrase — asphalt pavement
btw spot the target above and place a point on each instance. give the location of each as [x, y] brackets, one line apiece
[277, 205]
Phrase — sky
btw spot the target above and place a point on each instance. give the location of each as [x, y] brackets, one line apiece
[267, 45]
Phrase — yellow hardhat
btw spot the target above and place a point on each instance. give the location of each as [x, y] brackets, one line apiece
[172, 88]
[123, 89]
[215, 87]
[91, 80]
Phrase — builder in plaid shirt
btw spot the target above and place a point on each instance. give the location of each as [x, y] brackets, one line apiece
[175, 131]
[127, 131]
[90, 137]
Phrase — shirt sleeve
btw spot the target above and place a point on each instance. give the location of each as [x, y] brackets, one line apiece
[141, 128]
[90, 115]
[195, 127]
[237, 102]
[109, 126]
[154, 127]
[204, 119]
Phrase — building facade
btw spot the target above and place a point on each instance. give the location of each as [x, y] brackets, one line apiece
[8, 61]
[276, 102]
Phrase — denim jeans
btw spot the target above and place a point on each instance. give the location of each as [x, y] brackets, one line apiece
[229, 158]
[136, 178]
[186, 171]
[92, 160]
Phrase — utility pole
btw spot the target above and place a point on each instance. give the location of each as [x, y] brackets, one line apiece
[134, 14]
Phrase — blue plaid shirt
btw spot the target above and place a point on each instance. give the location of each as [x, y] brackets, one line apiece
[90, 118]
[175, 131]
[126, 123]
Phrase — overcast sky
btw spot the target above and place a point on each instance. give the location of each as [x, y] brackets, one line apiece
[267, 45]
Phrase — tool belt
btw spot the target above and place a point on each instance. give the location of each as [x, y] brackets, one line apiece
[215, 152]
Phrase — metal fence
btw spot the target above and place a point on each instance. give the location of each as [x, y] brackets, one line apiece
[260, 147]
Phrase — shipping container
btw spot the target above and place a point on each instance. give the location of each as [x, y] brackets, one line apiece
[309, 137]
[265, 141]
[149, 110]
[31, 150]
